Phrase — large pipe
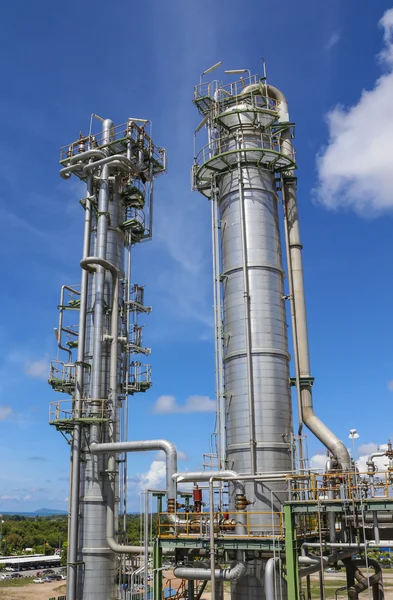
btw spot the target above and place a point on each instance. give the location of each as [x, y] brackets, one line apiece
[144, 446]
[76, 438]
[364, 583]
[295, 271]
[229, 574]
[316, 564]
[117, 159]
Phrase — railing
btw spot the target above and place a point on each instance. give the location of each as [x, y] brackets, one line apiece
[341, 486]
[62, 375]
[232, 93]
[257, 524]
[243, 141]
[64, 410]
[139, 377]
[121, 134]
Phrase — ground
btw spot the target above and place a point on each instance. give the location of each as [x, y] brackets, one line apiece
[44, 591]
[33, 591]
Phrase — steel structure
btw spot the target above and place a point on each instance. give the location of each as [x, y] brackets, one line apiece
[257, 516]
[100, 361]
[246, 166]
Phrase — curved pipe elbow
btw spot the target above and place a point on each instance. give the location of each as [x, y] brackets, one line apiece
[327, 437]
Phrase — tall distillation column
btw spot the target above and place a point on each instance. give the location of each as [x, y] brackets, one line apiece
[118, 166]
[237, 172]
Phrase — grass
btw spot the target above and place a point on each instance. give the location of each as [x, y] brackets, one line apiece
[331, 586]
[15, 582]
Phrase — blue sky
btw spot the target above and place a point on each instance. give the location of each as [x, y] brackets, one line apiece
[59, 64]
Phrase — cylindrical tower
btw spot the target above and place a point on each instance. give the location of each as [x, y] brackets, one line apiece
[237, 171]
[118, 165]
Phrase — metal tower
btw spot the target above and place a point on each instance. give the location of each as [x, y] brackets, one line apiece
[100, 360]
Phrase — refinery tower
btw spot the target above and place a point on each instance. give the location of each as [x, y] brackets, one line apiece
[256, 520]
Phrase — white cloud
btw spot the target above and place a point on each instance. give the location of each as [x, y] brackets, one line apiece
[333, 40]
[365, 450]
[355, 168]
[5, 498]
[390, 385]
[5, 412]
[318, 461]
[27, 498]
[38, 368]
[154, 478]
[193, 404]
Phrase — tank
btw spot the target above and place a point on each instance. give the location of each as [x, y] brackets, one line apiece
[237, 171]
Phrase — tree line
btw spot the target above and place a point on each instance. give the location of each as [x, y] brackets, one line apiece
[44, 534]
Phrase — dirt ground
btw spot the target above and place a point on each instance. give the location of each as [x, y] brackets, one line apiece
[33, 591]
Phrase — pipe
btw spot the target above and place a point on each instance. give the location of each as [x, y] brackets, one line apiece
[229, 574]
[247, 318]
[145, 446]
[295, 268]
[137, 446]
[351, 545]
[66, 172]
[93, 153]
[117, 159]
[196, 476]
[364, 583]
[317, 563]
[270, 573]
[76, 438]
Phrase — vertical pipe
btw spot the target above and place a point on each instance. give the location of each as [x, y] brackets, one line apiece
[246, 295]
[376, 527]
[316, 426]
[212, 549]
[76, 438]
[146, 545]
[216, 326]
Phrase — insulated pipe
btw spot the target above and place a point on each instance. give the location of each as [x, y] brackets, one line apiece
[114, 158]
[295, 268]
[93, 153]
[68, 171]
[247, 317]
[351, 545]
[143, 446]
[76, 438]
[228, 574]
[270, 572]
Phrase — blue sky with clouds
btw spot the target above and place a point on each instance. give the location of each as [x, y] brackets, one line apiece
[59, 63]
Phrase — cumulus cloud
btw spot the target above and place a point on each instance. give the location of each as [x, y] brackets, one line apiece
[193, 404]
[318, 461]
[355, 168]
[5, 412]
[381, 462]
[154, 477]
[38, 369]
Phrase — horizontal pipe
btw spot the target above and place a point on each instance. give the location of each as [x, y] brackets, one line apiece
[94, 153]
[229, 574]
[316, 563]
[351, 545]
[144, 446]
[114, 158]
